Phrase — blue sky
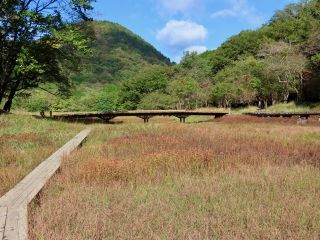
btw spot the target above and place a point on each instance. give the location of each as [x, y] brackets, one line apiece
[174, 26]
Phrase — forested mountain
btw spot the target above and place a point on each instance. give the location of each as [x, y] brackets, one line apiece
[117, 54]
[276, 63]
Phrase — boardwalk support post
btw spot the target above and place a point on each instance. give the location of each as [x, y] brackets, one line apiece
[42, 114]
[182, 118]
[145, 118]
[303, 120]
[107, 119]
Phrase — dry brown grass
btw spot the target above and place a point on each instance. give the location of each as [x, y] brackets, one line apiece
[183, 149]
[192, 181]
[25, 142]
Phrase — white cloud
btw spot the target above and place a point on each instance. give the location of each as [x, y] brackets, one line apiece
[175, 6]
[181, 34]
[242, 9]
[197, 49]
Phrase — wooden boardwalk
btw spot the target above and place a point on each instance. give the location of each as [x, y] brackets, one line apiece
[14, 204]
[284, 114]
[145, 115]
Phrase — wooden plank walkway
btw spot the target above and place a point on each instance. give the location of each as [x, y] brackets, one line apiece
[284, 114]
[14, 204]
[145, 115]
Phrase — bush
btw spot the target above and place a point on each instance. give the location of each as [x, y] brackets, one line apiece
[107, 100]
[38, 105]
[158, 101]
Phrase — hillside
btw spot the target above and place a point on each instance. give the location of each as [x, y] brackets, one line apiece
[117, 53]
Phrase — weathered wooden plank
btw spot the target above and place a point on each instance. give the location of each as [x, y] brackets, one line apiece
[29, 186]
[17, 224]
[283, 114]
[3, 218]
[13, 205]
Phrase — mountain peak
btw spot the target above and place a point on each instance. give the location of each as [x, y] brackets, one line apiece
[116, 53]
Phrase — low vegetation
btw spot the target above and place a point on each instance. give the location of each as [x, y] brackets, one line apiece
[236, 178]
[292, 107]
[25, 142]
[282, 107]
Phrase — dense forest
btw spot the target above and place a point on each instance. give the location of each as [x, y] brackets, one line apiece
[278, 62]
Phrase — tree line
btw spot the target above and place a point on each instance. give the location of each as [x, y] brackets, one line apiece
[279, 62]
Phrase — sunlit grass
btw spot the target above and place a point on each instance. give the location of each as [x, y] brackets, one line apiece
[25, 142]
[282, 107]
[293, 107]
[164, 180]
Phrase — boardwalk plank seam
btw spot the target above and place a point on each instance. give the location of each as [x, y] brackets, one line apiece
[3, 218]
[14, 204]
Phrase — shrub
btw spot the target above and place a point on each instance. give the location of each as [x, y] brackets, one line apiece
[158, 101]
[38, 105]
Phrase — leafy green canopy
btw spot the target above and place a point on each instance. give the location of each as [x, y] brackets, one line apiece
[285, 53]
[36, 38]
[148, 80]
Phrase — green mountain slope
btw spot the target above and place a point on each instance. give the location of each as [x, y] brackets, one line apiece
[117, 53]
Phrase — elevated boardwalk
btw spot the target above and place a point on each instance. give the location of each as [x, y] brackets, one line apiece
[145, 115]
[14, 204]
[305, 115]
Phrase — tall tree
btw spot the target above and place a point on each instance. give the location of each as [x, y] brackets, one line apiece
[186, 90]
[146, 81]
[285, 64]
[34, 36]
[236, 84]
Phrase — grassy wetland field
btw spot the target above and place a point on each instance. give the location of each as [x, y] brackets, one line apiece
[25, 142]
[234, 177]
[238, 177]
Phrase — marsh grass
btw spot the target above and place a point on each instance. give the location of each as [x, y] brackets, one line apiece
[282, 107]
[293, 107]
[25, 142]
[240, 180]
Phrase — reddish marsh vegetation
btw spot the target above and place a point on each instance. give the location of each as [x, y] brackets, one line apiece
[193, 181]
[312, 121]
